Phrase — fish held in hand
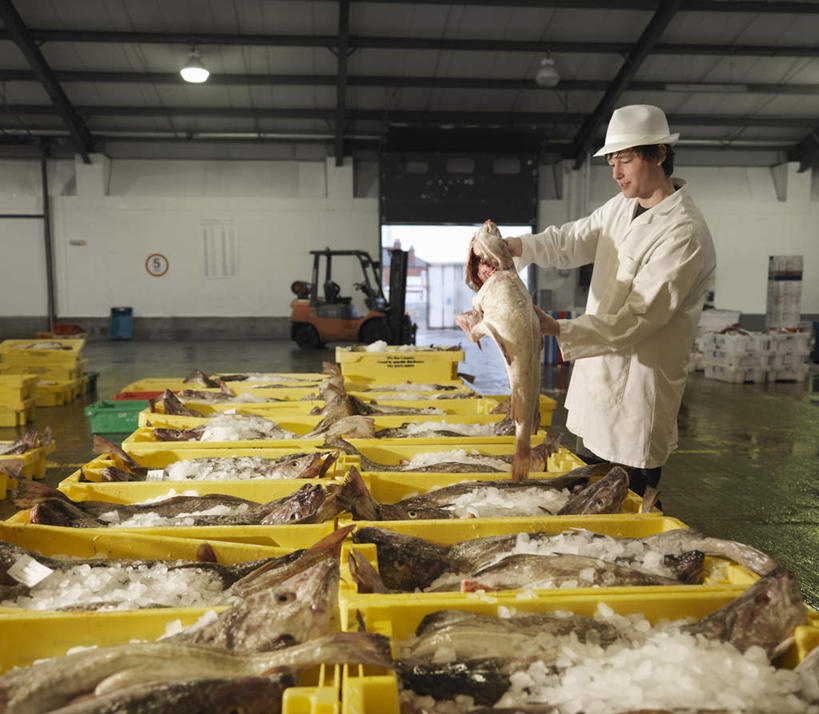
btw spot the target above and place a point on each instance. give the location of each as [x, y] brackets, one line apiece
[502, 309]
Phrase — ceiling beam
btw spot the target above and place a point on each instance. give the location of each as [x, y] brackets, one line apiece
[80, 136]
[410, 43]
[461, 118]
[653, 31]
[649, 5]
[329, 80]
[341, 79]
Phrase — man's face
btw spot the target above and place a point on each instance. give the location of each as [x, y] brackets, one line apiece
[637, 177]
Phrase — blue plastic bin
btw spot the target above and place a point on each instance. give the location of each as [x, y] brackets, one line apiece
[120, 327]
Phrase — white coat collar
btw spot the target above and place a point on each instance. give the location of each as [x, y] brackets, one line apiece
[668, 204]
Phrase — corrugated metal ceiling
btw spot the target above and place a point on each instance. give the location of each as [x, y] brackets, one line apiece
[260, 88]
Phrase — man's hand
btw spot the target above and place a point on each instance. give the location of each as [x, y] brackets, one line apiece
[549, 327]
[515, 246]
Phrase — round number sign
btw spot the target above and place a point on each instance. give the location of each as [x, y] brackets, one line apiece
[156, 264]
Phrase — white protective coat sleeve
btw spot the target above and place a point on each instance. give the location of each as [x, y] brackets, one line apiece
[567, 246]
[659, 287]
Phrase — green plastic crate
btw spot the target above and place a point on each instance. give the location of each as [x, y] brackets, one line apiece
[111, 417]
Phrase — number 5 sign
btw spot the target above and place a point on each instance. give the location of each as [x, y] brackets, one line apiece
[156, 264]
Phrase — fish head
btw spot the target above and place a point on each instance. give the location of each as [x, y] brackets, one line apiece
[404, 562]
[488, 253]
[767, 613]
[297, 507]
[604, 496]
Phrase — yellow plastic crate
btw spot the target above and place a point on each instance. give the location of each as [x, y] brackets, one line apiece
[46, 371]
[160, 459]
[39, 635]
[54, 393]
[142, 444]
[17, 416]
[394, 453]
[176, 384]
[34, 460]
[82, 543]
[391, 487]
[398, 365]
[17, 352]
[15, 389]
[298, 536]
[717, 572]
[373, 690]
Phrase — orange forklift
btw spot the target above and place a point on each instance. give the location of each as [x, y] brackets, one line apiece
[317, 318]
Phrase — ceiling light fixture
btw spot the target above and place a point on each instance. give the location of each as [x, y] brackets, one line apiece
[194, 71]
[547, 74]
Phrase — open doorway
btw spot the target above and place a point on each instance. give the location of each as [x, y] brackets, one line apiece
[436, 291]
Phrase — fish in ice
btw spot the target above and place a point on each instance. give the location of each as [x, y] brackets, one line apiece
[28, 441]
[312, 503]
[502, 309]
[475, 462]
[171, 404]
[431, 429]
[542, 495]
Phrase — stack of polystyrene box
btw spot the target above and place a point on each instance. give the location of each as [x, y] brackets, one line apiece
[789, 356]
[736, 357]
[710, 321]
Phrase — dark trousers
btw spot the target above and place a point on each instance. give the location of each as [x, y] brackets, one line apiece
[639, 479]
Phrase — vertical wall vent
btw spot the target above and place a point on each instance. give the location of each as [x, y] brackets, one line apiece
[220, 248]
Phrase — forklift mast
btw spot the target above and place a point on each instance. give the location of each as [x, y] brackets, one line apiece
[402, 328]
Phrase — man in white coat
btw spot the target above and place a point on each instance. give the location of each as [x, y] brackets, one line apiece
[653, 257]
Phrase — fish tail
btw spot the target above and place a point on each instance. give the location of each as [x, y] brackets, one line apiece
[12, 467]
[523, 448]
[328, 461]
[332, 542]
[356, 497]
[29, 493]
[364, 574]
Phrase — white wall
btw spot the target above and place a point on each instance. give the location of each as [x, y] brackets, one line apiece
[125, 210]
[747, 219]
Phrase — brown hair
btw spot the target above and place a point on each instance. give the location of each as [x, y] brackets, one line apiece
[652, 152]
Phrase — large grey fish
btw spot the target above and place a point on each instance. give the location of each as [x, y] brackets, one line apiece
[30, 440]
[502, 309]
[527, 570]
[765, 615]
[312, 464]
[312, 503]
[407, 563]
[606, 498]
[200, 378]
[476, 463]
[118, 678]
[431, 429]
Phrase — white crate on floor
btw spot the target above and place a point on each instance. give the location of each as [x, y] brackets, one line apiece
[791, 342]
[786, 360]
[737, 359]
[796, 373]
[735, 375]
[740, 342]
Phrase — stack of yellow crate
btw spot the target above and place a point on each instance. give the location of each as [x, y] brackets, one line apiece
[57, 362]
[17, 398]
[365, 690]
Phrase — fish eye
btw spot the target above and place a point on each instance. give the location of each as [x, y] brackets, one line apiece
[600, 502]
[398, 563]
[412, 514]
[293, 516]
[283, 598]
[235, 710]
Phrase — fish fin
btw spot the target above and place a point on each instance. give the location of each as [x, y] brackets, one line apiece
[332, 542]
[337, 442]
[359, 618]
[365, 575]
[103, 446]
[505, 351]
[29, 493]
[650, 499]
[355, 497]
[329, 460]
[206, 554]
[468, 322]
[330, 368]
[12, 467]
[467, 377]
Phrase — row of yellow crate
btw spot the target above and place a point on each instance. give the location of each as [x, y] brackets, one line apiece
[363, 690]
[65, 352]
[46, 372]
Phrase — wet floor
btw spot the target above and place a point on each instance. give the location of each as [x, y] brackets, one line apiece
[746, 467]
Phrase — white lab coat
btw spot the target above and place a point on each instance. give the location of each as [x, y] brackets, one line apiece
[631, 347]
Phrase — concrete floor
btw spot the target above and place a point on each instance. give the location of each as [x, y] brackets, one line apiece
[746, 467]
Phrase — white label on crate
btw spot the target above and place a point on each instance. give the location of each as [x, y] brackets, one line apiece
[28, 571]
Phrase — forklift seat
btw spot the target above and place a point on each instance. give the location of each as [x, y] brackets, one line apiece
[332, 291]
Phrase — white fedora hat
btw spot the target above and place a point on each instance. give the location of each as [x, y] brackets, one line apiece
[636, 125]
